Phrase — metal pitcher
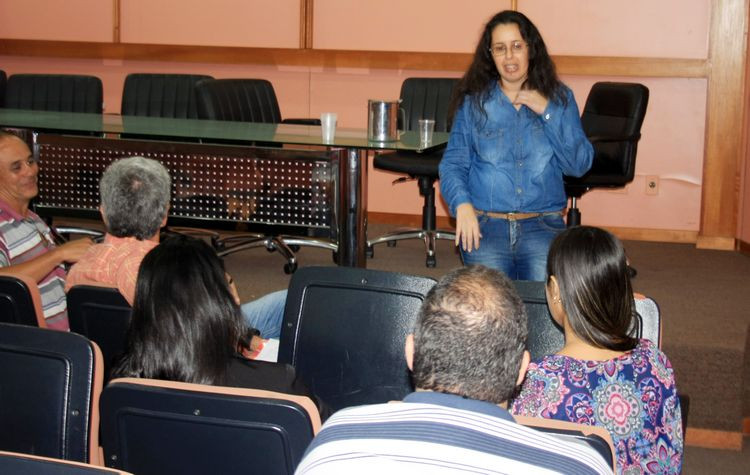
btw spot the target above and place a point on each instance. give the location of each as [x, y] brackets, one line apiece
[382, 120]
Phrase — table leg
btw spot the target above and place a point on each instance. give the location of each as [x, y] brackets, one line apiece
[353, 210]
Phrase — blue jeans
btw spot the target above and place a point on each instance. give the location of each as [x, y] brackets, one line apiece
[518, 248]
[266, 313]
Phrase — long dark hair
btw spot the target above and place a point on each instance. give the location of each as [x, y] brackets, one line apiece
[186, 325]
[482, 73]
[592, 272]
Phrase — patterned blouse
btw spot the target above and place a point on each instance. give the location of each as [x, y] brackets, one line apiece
[633, 396]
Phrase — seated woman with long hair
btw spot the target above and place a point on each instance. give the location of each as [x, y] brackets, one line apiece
[187, 325]
[602, 376]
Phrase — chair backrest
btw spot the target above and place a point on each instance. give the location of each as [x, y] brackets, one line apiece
[239, 100]
[545, 335]
[20, 301]
[54, 92]
[12, 463]
[3, 81]
[157, 427]
[102, 315]
[612, 119]
[344, 331]
[427, 98]
[598, 438]
[51, 381]
[161, 95]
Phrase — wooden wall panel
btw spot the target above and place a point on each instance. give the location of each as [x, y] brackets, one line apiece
[61, 20]
[246, 23]
[398, 25]
[639, 28]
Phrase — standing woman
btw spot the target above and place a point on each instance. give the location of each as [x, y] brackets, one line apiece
[516, 132]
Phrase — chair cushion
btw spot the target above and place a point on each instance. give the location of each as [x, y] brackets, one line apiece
[411, 163]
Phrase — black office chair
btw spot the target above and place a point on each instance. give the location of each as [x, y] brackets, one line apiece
[250, 100]
[422, 98]
[3, 81]
[159, 427]
[344, 331]
[50, 388]
[20, 302]
[242, 100]
[161, 95]
[54, 92]
[102, 315]
[611, 119]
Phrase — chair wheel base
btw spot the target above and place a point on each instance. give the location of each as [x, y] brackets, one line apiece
[370, 252]
[290, 268]
[391, 243]
[431, 261]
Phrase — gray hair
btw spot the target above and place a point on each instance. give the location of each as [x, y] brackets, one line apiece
[470, 336]
[135, 196]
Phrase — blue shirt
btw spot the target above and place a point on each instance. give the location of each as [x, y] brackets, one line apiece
[513, 160]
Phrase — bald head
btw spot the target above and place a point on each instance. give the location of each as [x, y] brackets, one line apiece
[470, 336]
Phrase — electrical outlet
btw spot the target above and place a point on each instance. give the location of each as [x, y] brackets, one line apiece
[652, 185]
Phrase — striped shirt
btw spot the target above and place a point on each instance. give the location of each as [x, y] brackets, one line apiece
[23, 238]
[440, 433]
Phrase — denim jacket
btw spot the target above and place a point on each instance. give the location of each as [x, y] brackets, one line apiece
[513, 161]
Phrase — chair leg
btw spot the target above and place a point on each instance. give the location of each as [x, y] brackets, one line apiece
[428, 233]
[574, 214]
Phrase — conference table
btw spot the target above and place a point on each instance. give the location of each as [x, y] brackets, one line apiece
[281, 176]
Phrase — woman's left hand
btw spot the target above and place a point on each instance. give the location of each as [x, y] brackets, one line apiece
[532, 99]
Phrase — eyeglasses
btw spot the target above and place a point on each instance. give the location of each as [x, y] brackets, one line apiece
[500, 49]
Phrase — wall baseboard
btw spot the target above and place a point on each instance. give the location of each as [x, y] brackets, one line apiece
[629, 234]
[713, 439]
[744, 248]
[717, 243]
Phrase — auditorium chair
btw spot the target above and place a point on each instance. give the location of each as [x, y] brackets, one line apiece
[598, 438]
[102, 315]
[611, 119]
[20, 301]
[12, 463]
[51, 381]
[54, 92]
[344, 331]
[161, 95]
[421, 98]
[545, 337]
[160, 427]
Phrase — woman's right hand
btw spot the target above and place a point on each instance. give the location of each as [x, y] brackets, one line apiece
[467, 227]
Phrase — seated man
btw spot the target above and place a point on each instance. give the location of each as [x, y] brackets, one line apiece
[26, 245]
[135, 195]
[467, 357]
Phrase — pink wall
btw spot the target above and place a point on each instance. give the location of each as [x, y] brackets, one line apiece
[673, 132]
[67, 20]
[257, 23]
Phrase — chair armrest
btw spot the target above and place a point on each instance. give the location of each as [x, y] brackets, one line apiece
[615, 138]
[301, 121]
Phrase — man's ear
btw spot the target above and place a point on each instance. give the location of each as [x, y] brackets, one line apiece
[409, 351]
[525, 360]
[166, 215]
[104, 215]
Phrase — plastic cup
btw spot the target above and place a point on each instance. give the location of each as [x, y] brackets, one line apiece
[328, 125]
[426, 128]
